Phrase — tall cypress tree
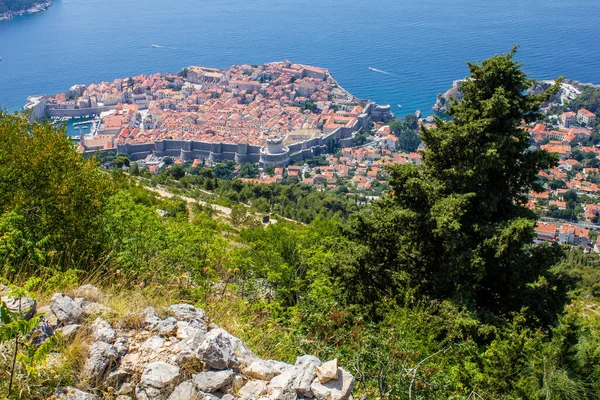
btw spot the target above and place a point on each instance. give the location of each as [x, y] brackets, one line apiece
[456, 226]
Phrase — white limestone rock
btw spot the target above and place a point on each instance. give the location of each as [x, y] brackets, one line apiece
[307, 371]
[42, 332]
[265, 369]
[336, 389]
[125, 389]
[122, 346]
[102, 331]
[253, 390]
[71, 393]
[211, 381]
[221, 350]
[166, 327]
[185, 391]
[187, 312]
[69, 332]
[281, 387]
[116, 378]
[158, 381]
[65, 309]
[151, 318]
[101, 357]
[328, 371]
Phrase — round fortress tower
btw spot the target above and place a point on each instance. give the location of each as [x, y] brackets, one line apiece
[274, 153]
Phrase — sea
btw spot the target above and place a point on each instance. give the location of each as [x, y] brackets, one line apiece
[416, 47]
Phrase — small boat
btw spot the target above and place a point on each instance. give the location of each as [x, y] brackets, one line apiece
[373, 69]
[400, 105]
[155, 45]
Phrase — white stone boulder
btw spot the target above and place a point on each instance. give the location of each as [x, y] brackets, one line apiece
[281, 387]
[335, 389]
[328, 371]
[253, 390]
[66, 310]
[101, 357]
[158, 380]
[187, 312]
[166, 327]
[211, 381]
[221, 350]
[185, 391]
[71, 393]
[306, 367]
[102, 331]
[265, 369]
[151, 318]
[69, 332]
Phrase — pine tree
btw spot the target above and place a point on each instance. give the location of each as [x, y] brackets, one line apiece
[457, 226]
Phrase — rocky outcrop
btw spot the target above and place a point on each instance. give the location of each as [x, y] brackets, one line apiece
[444, 99]
[177, 354]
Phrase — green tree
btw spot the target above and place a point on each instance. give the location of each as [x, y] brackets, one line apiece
[408, 139]
[177, 172]
[456, 226]
[54, 196]
[224, 170]
[121, 161]
[248, 170]
[238, 214]
[134, 170]
[270, 169]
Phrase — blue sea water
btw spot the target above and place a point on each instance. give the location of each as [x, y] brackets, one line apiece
[423, 45]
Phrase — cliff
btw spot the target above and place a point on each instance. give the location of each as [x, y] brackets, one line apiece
[177, 354]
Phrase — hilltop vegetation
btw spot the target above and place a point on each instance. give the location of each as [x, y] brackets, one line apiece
[436, 291]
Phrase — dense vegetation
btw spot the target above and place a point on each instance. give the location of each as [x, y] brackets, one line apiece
[436, 291]
[16, 5]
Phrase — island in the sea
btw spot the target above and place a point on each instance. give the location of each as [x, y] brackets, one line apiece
[274, 113]
[12, 8]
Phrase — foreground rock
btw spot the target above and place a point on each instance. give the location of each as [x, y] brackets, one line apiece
[101, 356]
[177, 354]
[65, 309]
[158, 381]
[71, 393]
[23, 305]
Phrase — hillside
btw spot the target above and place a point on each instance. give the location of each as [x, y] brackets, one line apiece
[146, 289]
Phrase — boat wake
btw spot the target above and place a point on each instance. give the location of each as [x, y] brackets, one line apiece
[381, 71]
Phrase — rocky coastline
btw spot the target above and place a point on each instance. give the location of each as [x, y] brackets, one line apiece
[173, 354]
[443, 99]
[569, 90]
[34, 9]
